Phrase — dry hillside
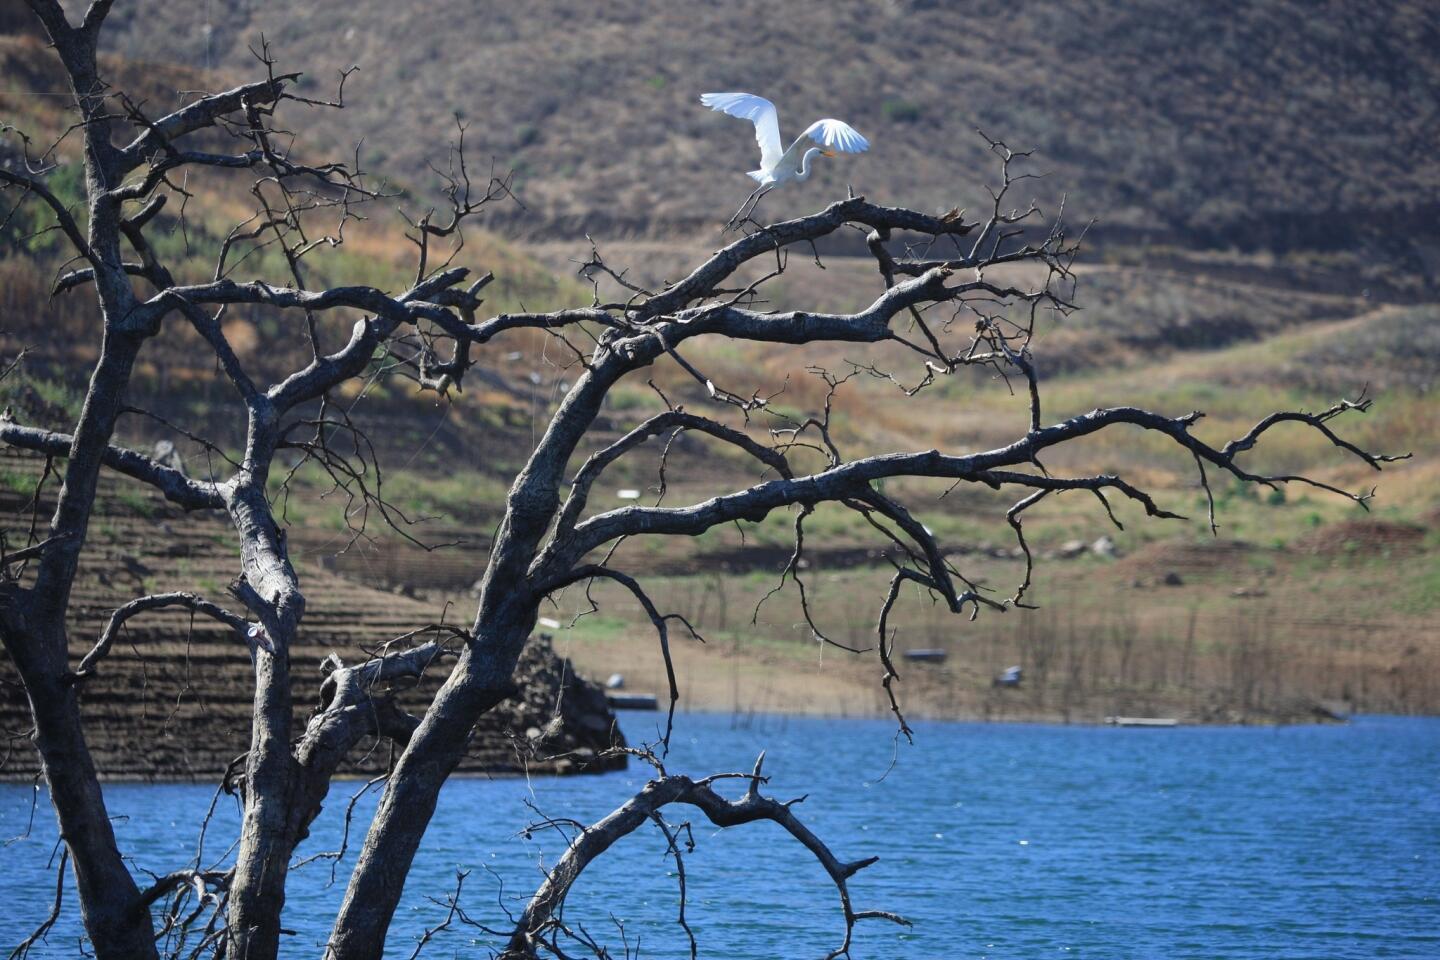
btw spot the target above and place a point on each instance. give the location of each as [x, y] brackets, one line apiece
[1327, 609]
[1283, 125]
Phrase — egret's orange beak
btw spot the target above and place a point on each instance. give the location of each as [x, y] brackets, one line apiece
[827, 153]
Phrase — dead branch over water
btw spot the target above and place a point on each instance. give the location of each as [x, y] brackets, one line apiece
[936, 298]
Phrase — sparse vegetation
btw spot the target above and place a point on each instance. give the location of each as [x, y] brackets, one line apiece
[882, 511]
[1300, 132]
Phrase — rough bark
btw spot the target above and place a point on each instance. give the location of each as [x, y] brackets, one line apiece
[408, 803]
[107, 892]
[34, 621]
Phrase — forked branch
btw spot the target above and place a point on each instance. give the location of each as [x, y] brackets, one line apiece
[542, 920]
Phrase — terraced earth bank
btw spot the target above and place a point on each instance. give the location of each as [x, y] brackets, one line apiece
[172, 699]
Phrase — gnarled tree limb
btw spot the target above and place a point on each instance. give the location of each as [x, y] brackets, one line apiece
[243, 629]
[541, 918]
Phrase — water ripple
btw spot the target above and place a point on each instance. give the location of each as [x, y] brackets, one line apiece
[999, 841]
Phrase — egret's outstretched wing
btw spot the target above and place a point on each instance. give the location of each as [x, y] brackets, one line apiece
[758, 111]
[837, 135]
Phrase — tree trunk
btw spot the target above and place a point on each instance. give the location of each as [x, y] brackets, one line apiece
[36, 638]
[108, 894]
[258, 890]
[271, 589]
[409, 801]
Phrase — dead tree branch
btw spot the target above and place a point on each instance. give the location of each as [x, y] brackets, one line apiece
[943, 303]
[539, 923]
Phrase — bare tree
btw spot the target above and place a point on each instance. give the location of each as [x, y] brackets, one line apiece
[938, 301]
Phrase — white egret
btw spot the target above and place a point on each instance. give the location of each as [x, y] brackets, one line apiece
[778, 165]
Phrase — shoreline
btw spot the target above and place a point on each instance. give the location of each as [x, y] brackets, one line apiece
[751, 716]
[804, 681]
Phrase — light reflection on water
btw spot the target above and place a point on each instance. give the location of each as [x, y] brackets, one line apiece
[997, 840]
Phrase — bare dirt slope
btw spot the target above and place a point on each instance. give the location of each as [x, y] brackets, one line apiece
[1204, 631]
[1276, 125]
[1208, 125]
[173, 698]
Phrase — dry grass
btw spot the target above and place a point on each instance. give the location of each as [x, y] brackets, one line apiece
[1318, 622]
[1289, 127]
[1173, 340]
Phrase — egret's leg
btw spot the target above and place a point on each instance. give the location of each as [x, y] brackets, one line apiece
[758, 197]
[738, 215]
[750, 202]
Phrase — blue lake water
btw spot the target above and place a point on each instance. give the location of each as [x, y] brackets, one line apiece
[996, 840]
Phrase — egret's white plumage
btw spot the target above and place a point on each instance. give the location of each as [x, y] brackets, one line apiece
[777, 164]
